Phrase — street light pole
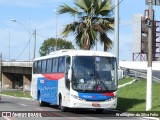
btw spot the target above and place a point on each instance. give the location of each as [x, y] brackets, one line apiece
[27, 29]
[9, 46]
[149, 69]
[116, 37]
[56, 27]
[34, 44]
[56, 30]
[29, 42]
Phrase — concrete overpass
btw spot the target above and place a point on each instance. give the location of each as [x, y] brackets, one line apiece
[16, 75]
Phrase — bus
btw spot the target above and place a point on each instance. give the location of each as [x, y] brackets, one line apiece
[76, 79]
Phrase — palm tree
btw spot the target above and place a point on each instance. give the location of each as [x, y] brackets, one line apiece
[94, 21]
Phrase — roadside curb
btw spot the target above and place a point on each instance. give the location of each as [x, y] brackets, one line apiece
[16, 97]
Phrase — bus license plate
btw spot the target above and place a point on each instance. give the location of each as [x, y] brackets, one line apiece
[96, 105]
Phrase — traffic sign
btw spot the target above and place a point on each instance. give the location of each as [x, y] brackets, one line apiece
[154, 2]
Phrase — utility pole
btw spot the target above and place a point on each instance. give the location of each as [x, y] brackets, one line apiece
[149, 69]
[34, 54]
[116, 36]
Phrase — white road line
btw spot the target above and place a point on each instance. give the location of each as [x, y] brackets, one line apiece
[151, 118]
[39, 109]
[7, 118]
[22, 104]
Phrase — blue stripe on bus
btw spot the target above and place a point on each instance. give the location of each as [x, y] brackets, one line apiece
[94, 96]
[48, 90]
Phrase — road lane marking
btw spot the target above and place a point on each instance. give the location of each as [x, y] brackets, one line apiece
[39, 109]
[23, 105]
[7, 118]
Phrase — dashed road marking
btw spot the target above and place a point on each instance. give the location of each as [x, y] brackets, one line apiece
[39, 109]
[7, 118]
[22, 104]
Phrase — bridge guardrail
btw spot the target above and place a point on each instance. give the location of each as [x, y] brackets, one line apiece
[138, 74]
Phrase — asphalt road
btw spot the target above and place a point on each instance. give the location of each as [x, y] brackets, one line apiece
[12, 108]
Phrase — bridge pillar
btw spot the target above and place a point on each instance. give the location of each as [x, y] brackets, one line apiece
[27, 82]
[7, 82]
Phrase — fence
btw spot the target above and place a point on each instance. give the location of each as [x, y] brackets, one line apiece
[138, 74]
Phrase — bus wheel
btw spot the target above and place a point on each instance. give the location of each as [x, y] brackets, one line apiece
[62, 108]
[99, 110]
[41, 103]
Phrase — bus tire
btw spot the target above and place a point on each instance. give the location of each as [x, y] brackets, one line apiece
[41, 103]
[62, 108]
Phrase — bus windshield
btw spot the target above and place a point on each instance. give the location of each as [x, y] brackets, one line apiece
[94, 74]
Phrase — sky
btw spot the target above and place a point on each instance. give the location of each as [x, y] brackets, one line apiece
[40, 15]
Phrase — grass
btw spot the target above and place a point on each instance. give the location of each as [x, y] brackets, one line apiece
[125, 80]
[133, 97]
[17, 93]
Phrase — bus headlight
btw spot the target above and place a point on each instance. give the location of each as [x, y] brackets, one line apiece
[76, 97]
[112, 98]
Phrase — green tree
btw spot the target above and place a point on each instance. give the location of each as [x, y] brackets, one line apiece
[49, 45]
[94, 21]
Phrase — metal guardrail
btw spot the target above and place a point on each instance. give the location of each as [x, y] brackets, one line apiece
[138, 74]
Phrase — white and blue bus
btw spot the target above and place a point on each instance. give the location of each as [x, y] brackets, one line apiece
[76, 79]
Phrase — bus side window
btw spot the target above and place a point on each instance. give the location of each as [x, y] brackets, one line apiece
[61, 64]
[55, 65]
[44, 64]
[67, 64]
[49, 65]
[35, 67]
[39, 67]
[68, 61]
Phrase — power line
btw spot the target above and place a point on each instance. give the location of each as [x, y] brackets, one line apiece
[117, 5]
[28, 44]
[42, 36]
[24, 47]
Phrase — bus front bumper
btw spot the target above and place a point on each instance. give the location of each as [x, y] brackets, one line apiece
[108, 104]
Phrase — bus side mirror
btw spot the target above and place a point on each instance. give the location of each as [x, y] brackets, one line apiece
[70, 74]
